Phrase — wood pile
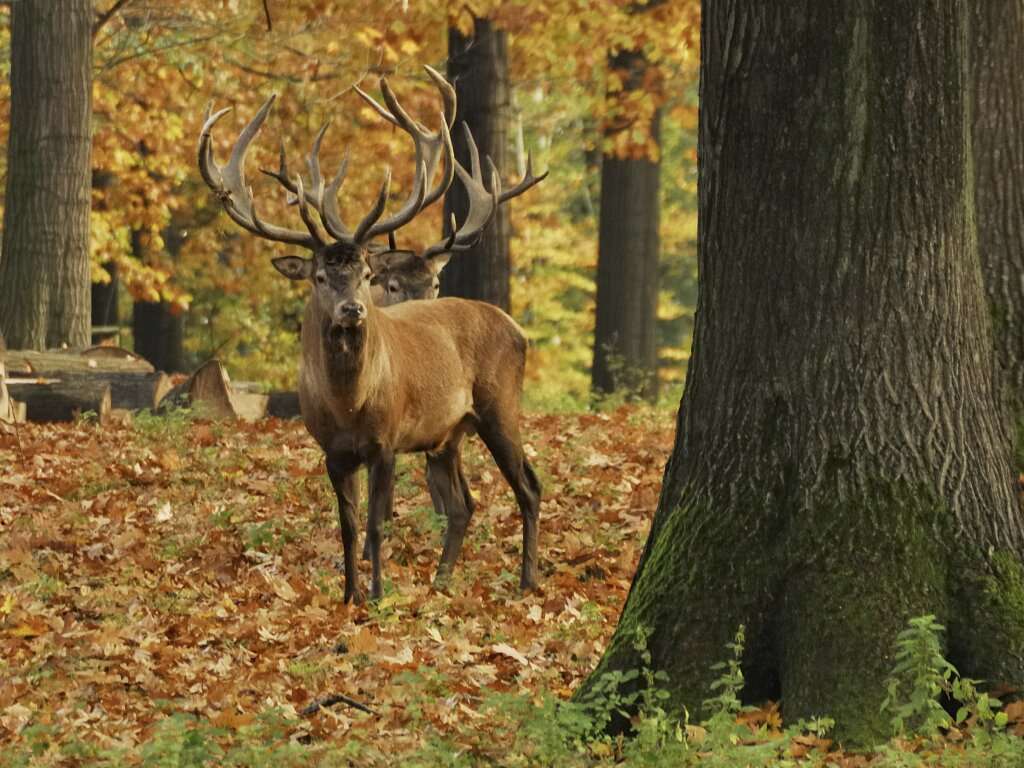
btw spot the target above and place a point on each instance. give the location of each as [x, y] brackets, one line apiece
[59, 385]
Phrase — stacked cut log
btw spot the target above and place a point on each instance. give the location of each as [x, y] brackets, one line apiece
[57, 385]
[210, 393]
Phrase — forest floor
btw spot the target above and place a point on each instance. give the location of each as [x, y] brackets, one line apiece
[180, 565]
[170, 595]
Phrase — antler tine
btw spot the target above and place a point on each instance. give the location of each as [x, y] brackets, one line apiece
[229, 182]
[528, 180]
[449, 166]
[447, 94]
[307, 217]
[361, 234]
[327, 205]
[431, 147]
[482, 204]
[474, 153]
[407, 212]
[325, 197]
[208, 167]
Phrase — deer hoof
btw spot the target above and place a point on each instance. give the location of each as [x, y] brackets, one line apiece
[528, 583]
[442, 580]
[354, 595]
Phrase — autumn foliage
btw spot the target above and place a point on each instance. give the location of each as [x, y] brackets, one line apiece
[158, 64]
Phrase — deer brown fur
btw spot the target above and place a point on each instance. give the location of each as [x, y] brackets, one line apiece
[418, 376]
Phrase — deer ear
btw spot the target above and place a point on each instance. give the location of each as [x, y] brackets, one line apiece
[380, 261]
[439, 262]
[294, 267]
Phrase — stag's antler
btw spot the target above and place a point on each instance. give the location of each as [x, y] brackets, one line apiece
[228, 183]
[236, 196]
[482, 204]
[431, 146]
[528, 180]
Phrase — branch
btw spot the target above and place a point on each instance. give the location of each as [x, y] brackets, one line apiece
[275, 76]
[336, 698]
[266, 10]
[107, 15]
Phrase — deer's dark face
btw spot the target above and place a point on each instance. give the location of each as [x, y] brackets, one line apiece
[341, 283]
[402, 276]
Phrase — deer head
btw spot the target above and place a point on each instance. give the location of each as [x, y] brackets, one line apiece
[344, 260]
[404, 275]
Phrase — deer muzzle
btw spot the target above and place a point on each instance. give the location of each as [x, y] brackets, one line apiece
[349, 314]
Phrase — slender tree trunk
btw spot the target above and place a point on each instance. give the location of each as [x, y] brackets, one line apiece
[159, 331]
[104, 298]
[625, 340]
[44, 265]
[478, 66]
[997, 59]
[839, 464]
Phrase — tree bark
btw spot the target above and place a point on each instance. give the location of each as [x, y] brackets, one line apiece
[478, 66]
[44, 265]
[997, 110]
[625, 339]
[839, 464]
[158, 331]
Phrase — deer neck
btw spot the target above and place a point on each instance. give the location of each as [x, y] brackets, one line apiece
[349, 366]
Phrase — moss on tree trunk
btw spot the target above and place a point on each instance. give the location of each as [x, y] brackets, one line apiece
[840, 465]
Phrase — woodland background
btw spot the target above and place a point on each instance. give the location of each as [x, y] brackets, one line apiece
[187, 284]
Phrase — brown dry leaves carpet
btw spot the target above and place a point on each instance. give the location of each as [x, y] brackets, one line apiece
[196, 563]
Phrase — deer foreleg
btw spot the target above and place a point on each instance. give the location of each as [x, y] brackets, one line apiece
[342, 472]
[382, 490]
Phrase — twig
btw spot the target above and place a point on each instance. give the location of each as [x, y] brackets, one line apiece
[336, 698]
[107, 15]
[266, 11]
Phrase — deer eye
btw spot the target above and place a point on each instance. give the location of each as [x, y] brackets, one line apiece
[321, 278]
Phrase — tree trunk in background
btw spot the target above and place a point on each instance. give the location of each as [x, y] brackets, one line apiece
[158, 332]
[625, 340]
[44, 265]
[997, 111]
[839, 464]
[104, 298]
[478, 66]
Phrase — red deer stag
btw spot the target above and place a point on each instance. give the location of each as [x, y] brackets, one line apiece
[407, 275]
[375, 382]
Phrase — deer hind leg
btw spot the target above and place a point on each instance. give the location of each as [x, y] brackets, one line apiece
[382, 491]
[500, 433]
[448, 486]
[342, 472]
[436, 477]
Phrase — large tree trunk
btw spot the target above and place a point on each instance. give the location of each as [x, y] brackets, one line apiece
[44, 265]
[478, 66]
[625, 340]
[839, 464]
[997, 109]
